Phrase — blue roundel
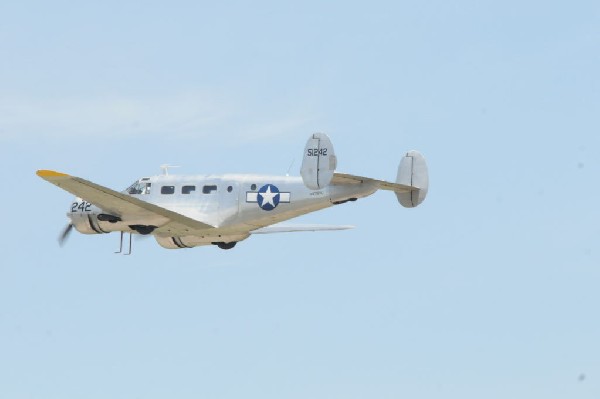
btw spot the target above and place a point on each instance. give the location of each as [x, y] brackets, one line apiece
[268, 197]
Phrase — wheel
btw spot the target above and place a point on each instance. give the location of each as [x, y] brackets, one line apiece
[226, 245]
[142, 229]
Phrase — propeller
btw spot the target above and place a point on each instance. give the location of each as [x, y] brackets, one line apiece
[65, 234]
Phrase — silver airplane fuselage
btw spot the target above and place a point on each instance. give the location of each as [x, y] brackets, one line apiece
[231, 203]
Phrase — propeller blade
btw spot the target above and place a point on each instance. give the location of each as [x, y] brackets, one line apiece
[65, 234]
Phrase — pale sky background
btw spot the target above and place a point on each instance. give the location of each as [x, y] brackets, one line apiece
[490, 289]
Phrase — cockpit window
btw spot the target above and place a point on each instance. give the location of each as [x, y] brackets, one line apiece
[138, 188]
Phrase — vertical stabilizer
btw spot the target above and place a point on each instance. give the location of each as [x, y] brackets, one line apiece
[413, 172]
[318, 162]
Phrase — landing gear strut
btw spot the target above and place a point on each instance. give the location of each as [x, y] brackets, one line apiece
[121, 245]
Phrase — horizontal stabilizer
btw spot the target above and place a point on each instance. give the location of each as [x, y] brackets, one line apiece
[346, 179]
[291, 228]
[412, 181]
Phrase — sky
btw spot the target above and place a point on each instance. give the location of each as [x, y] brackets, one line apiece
[488, 289]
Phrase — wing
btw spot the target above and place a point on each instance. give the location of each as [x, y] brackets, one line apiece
[125, 206]
[290, 228]
[346, 179]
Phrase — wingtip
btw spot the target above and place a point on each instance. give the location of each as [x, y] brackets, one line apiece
[50, 173]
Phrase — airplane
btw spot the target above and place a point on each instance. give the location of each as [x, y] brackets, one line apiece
[186, 211]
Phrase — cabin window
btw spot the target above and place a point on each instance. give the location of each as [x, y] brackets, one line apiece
[209, 189]
[188, 189]
[253, 187]
[229, 189]
[167, 190]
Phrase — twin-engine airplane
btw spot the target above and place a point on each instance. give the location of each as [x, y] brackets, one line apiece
[189, 211]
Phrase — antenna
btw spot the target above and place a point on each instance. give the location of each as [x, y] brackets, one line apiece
[290, 168]
[165, 168]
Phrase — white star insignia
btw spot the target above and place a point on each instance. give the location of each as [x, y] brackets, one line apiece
[268, 197]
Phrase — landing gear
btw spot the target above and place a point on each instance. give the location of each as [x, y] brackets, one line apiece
[121, 245]
[225, 245]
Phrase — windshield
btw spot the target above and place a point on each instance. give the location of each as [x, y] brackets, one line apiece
[139, 188]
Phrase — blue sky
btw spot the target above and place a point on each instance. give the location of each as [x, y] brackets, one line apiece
[489, 289]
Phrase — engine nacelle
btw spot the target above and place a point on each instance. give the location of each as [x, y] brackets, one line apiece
[87, 223]
[89, 219]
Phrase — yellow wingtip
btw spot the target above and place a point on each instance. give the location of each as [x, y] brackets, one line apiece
[50, 173]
